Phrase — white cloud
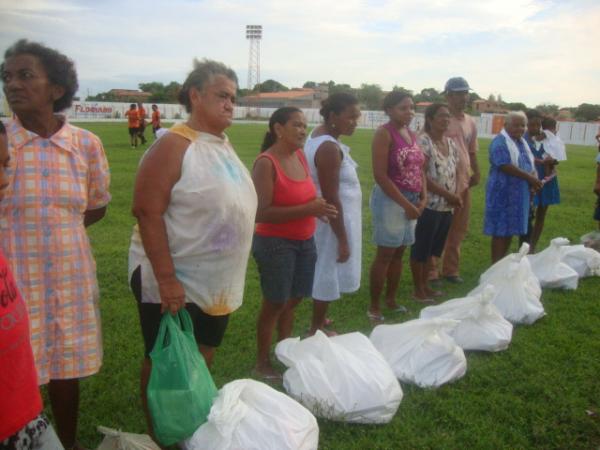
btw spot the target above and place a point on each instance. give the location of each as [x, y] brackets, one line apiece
[528, 50]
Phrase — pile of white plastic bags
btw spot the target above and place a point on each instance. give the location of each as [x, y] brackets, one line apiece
[355, 378]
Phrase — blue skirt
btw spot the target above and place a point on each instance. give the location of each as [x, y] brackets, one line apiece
[549, 195]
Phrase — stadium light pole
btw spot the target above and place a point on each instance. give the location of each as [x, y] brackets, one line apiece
[254, 35]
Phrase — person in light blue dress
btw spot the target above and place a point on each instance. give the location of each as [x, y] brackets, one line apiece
[510, 181]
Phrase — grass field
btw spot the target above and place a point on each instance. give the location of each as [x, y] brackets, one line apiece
[543, 392]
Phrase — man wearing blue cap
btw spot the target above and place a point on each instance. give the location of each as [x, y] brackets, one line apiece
[463, 131]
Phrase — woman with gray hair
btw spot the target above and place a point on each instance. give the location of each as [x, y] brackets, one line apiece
[195, 205]
[511, 180]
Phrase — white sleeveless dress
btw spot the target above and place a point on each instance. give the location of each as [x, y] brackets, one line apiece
[333, 278]
[209, 224]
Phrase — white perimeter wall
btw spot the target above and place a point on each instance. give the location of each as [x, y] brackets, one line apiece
[570, 132]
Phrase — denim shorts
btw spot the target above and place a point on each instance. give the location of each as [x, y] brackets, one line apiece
[391, 228]
[286, 267]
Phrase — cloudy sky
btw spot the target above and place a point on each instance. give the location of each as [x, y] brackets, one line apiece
[533, 51]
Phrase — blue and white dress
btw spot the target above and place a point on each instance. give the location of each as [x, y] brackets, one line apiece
[506, 197]
[549, 194]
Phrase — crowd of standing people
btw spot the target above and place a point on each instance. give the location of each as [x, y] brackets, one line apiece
[200, 213]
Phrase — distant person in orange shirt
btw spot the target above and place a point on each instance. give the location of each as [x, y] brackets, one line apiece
[133, 119]
[155, 119]
[142, 126]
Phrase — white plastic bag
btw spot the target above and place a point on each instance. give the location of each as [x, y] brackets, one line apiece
[421, 351]
[481, 326]
[550, 270]
[518, 290]
[554, 146]
[583, 260]
[250, 415]
[119, 440]
[341, 378]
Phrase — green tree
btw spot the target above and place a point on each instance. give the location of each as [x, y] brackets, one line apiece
[102, 97]
[515, 106]
[370, 95]
[587, 112]
[402, 89]
[548, 109]
[343, 87]
[429, 95]
[310, 85]
[161, 93]
[271, 86]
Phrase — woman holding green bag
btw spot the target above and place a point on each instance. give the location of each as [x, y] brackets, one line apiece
[195, 206]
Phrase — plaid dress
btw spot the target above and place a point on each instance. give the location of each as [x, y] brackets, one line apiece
[52, 182]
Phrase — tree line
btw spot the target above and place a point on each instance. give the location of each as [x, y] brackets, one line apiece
[370, 96]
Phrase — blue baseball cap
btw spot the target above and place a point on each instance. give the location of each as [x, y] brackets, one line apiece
[457, 84]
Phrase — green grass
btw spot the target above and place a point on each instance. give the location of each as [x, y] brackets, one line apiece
[534, 395]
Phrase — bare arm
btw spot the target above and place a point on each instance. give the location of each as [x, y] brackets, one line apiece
[158, 173]
[328, 160]
[91, 216]
[513, 170]
[380, 149]
[473, 148]
[263, 176]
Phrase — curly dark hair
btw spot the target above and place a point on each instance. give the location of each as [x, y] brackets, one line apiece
[202, 73]
[533, 114]
[336, 103]
[59, 68]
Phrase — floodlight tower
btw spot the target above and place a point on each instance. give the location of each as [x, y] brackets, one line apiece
[254, 35]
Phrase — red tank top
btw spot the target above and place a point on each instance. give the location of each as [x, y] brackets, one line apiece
[20, 399]
[290, 192]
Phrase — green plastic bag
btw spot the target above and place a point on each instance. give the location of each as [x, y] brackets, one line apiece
[181, 390]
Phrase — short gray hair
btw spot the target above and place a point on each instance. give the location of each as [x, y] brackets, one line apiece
[515, 115]
[203, 72]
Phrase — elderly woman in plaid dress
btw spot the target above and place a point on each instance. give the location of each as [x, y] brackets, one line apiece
[58, 186]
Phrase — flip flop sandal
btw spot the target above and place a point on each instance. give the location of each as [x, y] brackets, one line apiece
[375, 318]
[399, 309]
[267, 377]
[426, 301]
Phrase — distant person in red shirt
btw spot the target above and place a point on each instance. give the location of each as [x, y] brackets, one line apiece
[142, 126]
[22, 424]
[155, 119]
[133, 124]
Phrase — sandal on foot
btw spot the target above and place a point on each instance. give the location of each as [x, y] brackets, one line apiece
[399, 309]
[375, 318]
[436, 293]
[272, 377]
[426, 301]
